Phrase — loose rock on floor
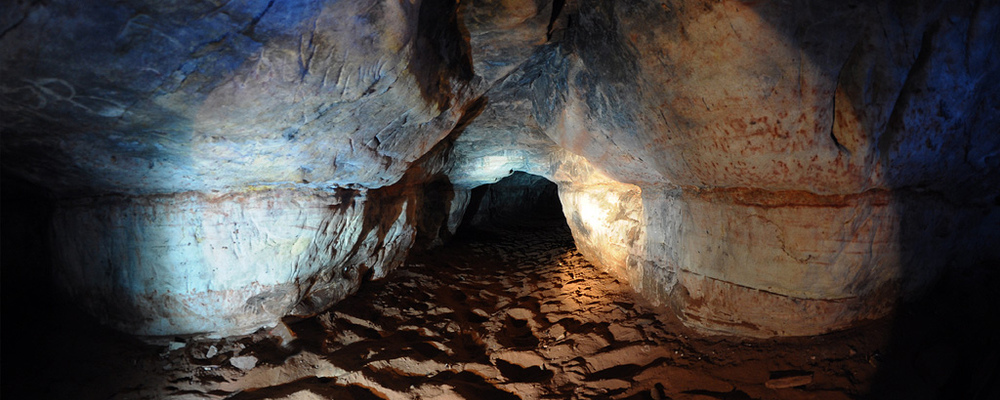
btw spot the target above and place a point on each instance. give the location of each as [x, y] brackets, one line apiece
[506, 315]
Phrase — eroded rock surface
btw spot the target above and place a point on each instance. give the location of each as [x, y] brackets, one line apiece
[511, 314]
[763, 168]
[219, 166]
[788, 172]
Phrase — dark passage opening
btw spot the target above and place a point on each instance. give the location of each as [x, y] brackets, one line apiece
[521, 201]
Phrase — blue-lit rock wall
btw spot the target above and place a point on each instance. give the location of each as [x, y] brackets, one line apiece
[218, 166]
[152, 97]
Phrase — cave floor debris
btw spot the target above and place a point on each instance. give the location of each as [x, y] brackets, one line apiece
[508, 315]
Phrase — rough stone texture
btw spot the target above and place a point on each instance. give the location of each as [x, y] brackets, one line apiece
[787, 162]
[191, 264]
[775, 101]
[140, 98]
[504, 33]
[219, 165]
[765, 168]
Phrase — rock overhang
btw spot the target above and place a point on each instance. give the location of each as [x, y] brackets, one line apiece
[773, 178]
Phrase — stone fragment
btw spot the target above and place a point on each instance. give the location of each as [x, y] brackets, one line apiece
[524, 390]
[549, 307]
[788, 379]
[522, 359]
[623, 333]
[175, 345]
[435, 391]
[607, 385]
[422, 330]
[589, 343]
[440, 311]
[410, 366]
[440, 346]
[485, 370]
[521, 314]
[556, 332]
[640, 355]
[244, 363]
[554, 317]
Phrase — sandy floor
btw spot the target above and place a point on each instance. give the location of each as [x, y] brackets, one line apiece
[505, 315]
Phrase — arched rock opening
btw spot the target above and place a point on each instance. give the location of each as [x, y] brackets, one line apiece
[518, 200]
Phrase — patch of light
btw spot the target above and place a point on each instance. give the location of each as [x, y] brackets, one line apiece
[492, 168]
[605, 221]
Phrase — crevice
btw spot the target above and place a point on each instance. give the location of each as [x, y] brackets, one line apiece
[250, 30]
[14, 26]
[768, 292]
[557, 7]
[837, 143]
[442, 56]
[896, 123]
[849, 63]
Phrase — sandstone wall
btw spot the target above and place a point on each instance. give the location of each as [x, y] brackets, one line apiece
[764, 168]
[219, 166]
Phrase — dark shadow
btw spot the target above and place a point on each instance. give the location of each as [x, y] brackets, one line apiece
[45, 335]
[520, 201]
[943, 343]
[26, 278]
[441, 53]
[933, 150]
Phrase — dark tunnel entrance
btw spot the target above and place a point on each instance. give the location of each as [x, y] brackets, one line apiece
[520, 201]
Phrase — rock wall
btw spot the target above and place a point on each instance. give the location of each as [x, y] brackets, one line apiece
[784, 152]
[195, 264]
[763, 168]
[218, 166]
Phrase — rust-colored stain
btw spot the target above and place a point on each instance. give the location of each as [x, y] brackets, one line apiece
[788, 198]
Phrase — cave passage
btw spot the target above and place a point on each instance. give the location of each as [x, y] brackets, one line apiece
[507, 310]
[520, 201]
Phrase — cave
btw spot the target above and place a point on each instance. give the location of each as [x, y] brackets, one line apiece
[517, 200]
[500, 199]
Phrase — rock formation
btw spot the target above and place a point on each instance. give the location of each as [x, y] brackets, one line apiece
[764, 168]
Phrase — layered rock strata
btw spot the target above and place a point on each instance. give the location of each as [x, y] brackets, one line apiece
[764, 168]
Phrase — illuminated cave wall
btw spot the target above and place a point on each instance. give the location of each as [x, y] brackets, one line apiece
[762, 168]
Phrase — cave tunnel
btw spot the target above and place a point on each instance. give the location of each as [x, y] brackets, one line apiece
[500, 199]
[518, 200]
